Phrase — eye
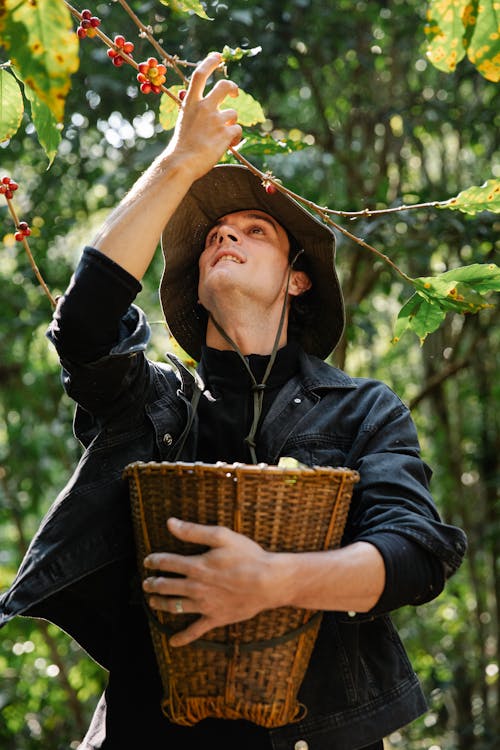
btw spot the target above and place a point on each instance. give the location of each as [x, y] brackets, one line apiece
[257, 229]
[210, 238]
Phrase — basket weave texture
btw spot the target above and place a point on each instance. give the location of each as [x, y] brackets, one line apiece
[253, 669]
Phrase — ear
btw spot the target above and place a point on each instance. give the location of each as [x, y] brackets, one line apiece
[299, 283]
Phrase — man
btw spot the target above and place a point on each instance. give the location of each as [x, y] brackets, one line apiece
[250, 291]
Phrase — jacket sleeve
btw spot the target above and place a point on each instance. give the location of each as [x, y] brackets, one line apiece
[101, 337]
[392, 505]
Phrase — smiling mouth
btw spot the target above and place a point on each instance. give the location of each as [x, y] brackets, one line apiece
[230, 257]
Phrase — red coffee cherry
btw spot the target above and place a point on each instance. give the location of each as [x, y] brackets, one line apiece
[88, 24]
[8, 187]
[23, 230]
[120, 44]
[151, 76]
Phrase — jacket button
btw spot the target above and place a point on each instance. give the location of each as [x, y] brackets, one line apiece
[301, 745]
[168, 439]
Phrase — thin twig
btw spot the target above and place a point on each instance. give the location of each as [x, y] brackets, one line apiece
[31, 259]
[172, 60]
[321, 211]
[377, 211]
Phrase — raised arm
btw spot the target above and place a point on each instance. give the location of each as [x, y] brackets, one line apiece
[202, 134]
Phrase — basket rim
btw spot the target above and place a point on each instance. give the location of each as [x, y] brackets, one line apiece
[222, 467]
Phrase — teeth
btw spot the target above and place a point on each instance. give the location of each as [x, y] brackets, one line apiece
[229, 257]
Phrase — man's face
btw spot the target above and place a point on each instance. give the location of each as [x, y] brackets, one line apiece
[245, 253]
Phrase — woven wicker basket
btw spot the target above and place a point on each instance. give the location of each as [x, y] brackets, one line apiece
[253, 669]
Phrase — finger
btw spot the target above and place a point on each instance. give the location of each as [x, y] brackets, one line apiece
[237, 138]
[169, 562]
[172, 605]
[201, 74]
[223, 88]
[210, 536]
[231, 116]
[166, 586]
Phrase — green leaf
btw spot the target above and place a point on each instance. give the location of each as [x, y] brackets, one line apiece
[249, 110]
[484, 48]
[485, 197]
[48, 132]
[405, 317]
[458, 290]
[420, 315]
[445, 31]
[11, 106]
[484, 276]
[256, 144]
[461, 288]
[458, 27]
[428, 318]
[187, 6]
[42, 43]
[169, 109]
[233, 55]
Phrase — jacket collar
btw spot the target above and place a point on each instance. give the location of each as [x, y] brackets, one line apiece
[315, 375]
[318, 375]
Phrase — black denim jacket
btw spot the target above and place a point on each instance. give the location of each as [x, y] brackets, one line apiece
[360, 685]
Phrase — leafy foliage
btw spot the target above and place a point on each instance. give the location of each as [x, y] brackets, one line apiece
[11, 106]
[41, 42]
[466, 27]
[357, 117]
[186, 6]
[474, 199]
[459, 290]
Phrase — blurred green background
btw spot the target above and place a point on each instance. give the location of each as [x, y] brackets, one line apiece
[379, 126]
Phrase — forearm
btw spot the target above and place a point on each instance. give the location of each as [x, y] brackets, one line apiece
[351, 578]
[131, 233]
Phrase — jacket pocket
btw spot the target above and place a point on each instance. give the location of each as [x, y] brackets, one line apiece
[318, 449]
[353, 663]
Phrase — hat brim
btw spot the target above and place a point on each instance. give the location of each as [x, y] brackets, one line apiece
[228, 188]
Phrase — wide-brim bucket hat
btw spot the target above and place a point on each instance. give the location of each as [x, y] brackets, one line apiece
[225, 189]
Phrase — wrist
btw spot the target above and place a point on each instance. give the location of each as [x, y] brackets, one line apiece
[177, 167]
[184, 165]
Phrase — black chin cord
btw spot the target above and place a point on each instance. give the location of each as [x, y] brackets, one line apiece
[259, 388]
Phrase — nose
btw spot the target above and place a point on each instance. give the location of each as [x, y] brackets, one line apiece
[226, 232]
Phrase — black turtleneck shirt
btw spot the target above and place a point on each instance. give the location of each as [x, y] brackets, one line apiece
[224, 423]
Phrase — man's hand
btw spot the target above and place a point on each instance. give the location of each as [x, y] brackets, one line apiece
[226, 584]
[203, 132]
[235, 579]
